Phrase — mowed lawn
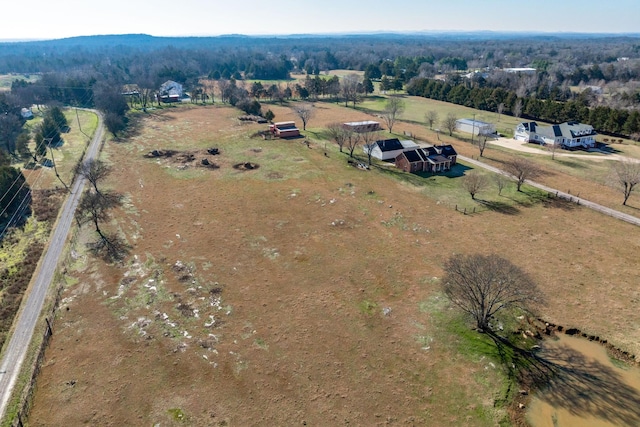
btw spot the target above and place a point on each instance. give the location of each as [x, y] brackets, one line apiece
[304, 290]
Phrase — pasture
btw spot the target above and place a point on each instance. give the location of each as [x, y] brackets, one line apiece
[304, 290]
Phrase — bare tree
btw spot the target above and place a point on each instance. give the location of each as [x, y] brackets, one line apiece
[94, 171]
[500, 109]
[94, 207]
[501, 182]
[210, 89]
[392, 111]
[431, 117]
[305, 112]
[517, 108]
[522, 169]
[553, 147]
[349, 88]
[449, 123]
[482, 285]
[369, 140]
[482, 143]
[352, 142]
[625, 176]
[224, 87]
[339, 134]
[474, 182]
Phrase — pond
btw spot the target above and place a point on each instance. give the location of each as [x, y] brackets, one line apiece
[587, 387]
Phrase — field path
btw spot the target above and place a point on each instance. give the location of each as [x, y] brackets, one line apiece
[579, 200]
[18, 345]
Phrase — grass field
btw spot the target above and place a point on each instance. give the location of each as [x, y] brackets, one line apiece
[7, 79]
[305, 290]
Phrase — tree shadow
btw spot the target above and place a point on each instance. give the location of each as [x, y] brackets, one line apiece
[500, 207]
[566, 378]
[570, 163]
[559, 203]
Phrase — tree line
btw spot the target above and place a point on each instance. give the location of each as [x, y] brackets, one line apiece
[604, 119]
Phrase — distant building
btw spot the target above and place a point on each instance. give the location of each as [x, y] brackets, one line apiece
[521, 70]
[475, 127]
[364, 126]
[170, 91]
[26, 113]
[567, 135]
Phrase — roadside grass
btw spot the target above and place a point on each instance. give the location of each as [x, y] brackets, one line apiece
[66, 156]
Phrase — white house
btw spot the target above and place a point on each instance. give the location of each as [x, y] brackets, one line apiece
[567, 135]
[389, 149]
[475, 127]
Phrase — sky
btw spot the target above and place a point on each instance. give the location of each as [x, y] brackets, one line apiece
[52, 19]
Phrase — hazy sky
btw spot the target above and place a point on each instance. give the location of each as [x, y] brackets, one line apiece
[47, 19]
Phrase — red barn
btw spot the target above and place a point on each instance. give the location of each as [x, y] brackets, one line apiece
[284, 129]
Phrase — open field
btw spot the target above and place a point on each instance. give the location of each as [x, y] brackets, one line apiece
[7, 79]
[304, 290]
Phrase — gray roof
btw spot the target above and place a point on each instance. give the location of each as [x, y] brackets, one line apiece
[389, 144]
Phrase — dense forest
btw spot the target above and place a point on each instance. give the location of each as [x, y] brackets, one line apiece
[590, 78]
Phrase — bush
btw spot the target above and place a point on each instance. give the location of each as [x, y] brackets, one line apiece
[249, 106]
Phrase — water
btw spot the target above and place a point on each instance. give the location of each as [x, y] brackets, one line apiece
[586, 388]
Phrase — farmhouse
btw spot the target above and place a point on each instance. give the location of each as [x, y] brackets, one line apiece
[361, 127]
[284, 130]
[170, 91]
[430, 159]
[475, 127]
[388, 149]
[566, 135]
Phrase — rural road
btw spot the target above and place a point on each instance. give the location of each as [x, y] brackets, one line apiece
[591, 205]
[18, 345]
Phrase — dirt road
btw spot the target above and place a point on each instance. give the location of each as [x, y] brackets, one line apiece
[18, 344]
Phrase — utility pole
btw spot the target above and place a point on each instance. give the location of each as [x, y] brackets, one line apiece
[473, 131]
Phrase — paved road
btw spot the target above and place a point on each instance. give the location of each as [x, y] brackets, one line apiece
[18, 345]
[591, 205]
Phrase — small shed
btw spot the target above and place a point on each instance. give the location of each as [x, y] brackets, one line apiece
[475, 127]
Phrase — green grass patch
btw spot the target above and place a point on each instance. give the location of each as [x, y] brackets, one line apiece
[178, 415]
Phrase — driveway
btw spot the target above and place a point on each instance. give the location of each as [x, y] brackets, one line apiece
[523, 147]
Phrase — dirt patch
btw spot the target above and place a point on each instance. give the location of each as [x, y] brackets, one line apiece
[246, 166]
[185, 159]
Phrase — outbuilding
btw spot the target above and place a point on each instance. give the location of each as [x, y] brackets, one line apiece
[363, 126]
[475, 127]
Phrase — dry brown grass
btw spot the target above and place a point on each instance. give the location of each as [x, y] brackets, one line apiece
[303, 254]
